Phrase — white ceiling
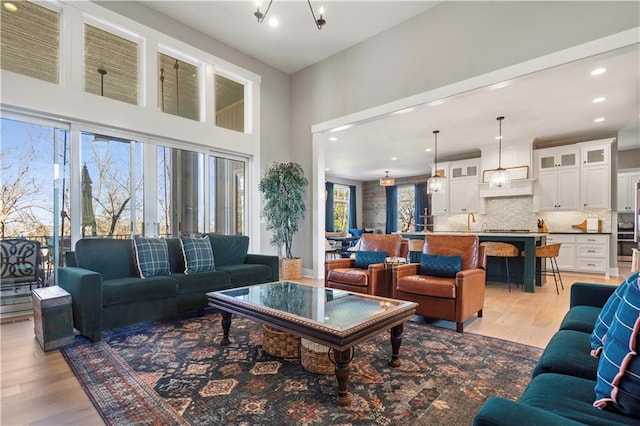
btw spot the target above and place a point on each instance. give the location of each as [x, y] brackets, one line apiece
[296, 43]
[548, 105]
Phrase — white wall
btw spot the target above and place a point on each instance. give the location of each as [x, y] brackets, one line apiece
[449, 43]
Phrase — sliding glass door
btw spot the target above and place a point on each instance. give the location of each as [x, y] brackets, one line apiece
[111, 186]
[227, 201]
[32, 158]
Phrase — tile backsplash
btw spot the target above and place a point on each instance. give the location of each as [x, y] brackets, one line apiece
[517, 213]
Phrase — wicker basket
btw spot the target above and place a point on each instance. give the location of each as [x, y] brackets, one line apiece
[291, 269]
[314, 358]
[279, 343]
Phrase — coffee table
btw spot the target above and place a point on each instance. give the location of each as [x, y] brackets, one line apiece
[335, 318]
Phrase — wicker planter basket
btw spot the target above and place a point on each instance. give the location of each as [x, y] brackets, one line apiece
[279, 343]
[314, 358]
[291, 269]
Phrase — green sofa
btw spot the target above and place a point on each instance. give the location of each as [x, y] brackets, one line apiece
[107, 292]
[561, 391]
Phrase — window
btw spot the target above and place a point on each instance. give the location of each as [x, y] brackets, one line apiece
[229, 104]
[406, 208]
[178, 87]
[29, 41]
[341, 207]
[110, 65]
[226, 195]
[111, 184]
[180, 192]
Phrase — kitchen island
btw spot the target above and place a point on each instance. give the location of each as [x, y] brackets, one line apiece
[525, 241]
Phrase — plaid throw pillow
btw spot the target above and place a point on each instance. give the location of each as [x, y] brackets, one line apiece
[152, 256]
[618, 381]
[198, 255]
[366, 258]
[440, 266]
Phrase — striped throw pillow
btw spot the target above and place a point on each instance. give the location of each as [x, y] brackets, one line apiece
[603, 323]
[618, 381]
[152, 256]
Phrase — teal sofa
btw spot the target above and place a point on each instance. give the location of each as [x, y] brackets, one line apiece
[107, 292]
[561, 391]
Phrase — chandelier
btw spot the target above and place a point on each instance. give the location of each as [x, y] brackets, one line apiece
[499, 178]
[319, 21]
[387, 181]
[436, 183]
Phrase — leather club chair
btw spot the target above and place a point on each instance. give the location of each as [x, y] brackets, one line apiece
[450, 299]
[342, 273]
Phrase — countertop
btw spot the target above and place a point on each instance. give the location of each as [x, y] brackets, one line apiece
[580, 233]
[481, 234]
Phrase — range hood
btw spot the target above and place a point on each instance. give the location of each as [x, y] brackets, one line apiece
[516, 188]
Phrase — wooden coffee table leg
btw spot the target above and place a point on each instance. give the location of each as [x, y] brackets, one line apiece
[342, 361]
[396, 340]
[226, 325]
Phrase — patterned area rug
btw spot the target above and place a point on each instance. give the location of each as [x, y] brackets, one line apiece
[177, 373]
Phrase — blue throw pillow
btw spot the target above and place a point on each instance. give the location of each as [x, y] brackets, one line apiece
[618, 381]
[440, 266]
[356, 232]
[152, 256]
[198, 255]
[366, 258]
[603, 323]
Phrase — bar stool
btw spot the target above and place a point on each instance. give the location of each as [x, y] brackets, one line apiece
[330, 252]
[505, 250]
[635, 260]
[551, 252]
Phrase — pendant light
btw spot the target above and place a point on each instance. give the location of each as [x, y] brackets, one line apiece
[499, 178]
[386, 180]
[436, 183]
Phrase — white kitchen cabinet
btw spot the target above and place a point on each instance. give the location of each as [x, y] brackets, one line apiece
[567, 257]
[592, 253]
[440, 200]
[556, 158]
[558, 179]
[464, 196]
[582, 252]
[558, 190]
[464, 189]
[465, 169]
[595, 186]
[626, 190]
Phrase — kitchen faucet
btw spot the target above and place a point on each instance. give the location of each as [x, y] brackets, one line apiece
[470, 216]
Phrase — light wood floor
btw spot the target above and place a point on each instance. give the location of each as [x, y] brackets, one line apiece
[39, 388]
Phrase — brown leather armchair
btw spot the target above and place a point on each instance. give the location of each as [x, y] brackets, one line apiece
[342, 273]
[451, 299]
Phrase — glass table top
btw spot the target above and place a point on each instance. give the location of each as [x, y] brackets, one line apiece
[330, 307]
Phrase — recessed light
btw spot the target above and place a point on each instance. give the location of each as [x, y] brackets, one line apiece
[599, 99]
[333, 139]
[599, 120]
[10, 7]
[341, 128]
[428, 150]
[500, 85]
[498, 138]
[599, 71]
[327, 169]
[394, 158]
[273, 22]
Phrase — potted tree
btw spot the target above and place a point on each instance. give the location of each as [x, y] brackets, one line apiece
[283, 186]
